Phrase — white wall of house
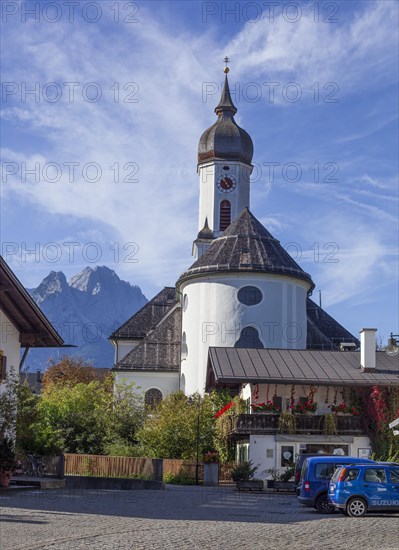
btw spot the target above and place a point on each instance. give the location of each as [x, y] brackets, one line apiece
[215, 317]
[266, 451]
[166, 382]
[9, 343]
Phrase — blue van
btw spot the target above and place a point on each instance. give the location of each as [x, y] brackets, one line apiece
[315, 477]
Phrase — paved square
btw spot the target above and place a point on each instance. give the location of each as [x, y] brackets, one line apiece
[180, 518]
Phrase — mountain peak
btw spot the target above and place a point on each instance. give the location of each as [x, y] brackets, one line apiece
[54, 283]
[91, 280]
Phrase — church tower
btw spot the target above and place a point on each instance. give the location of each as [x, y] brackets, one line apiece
[244, 290]
[225, 154]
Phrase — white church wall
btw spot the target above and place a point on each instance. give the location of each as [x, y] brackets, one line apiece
[166, 382]
[9, 344]
[215, 317]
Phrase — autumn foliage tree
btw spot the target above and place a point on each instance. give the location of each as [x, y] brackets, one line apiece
[71, 371]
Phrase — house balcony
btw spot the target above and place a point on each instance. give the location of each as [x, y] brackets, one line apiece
[264, 423]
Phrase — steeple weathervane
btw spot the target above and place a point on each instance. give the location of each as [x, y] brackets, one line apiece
[226, 60]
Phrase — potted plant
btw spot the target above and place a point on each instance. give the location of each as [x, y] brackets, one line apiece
[7, 461]
[283, 481]
[274, 476]
[287, 423]
[211, 468]
[243, 475]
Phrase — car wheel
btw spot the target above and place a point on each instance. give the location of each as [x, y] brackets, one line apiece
[323, 506]
[356, 507]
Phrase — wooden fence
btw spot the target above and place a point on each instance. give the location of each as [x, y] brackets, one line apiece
[124, 466]
[107, 466]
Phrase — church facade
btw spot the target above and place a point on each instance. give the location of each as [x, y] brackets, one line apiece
[241, 317]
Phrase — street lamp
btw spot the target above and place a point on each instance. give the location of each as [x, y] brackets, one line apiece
[392, 348]
[191, 401]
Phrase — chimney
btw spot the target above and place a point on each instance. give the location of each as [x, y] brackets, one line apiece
[367, 349]
[38, 376]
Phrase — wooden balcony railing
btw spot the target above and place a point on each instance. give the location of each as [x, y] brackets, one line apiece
[260, 423]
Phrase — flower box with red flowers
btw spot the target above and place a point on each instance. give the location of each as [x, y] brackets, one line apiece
[269, 407]
[343, 408]
[306, 407]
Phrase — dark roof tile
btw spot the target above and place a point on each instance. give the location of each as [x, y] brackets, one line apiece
[147, 318]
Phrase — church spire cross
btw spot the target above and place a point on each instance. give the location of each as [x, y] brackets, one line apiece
[226, 104]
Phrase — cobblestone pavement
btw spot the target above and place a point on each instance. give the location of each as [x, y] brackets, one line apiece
[180, 518]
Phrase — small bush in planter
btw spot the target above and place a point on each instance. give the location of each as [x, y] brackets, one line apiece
[244, 471]
[288, 473]
[8, 462]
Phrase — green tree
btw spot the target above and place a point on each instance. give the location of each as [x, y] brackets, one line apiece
[170, 431]
[87, 418]
[8, 405]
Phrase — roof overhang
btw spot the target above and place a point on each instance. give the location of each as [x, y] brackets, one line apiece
[277, 366]
[35, 330]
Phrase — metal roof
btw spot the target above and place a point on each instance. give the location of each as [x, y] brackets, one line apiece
[35, 330]
[241, 365]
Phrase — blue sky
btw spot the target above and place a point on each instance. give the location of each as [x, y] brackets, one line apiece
[123, 91]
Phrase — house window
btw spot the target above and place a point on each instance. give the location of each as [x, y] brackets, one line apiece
[278, 401]
[152, 397]
[287, 455]
[3, 366]
[249, 295]
[225, 215]
[249, 338]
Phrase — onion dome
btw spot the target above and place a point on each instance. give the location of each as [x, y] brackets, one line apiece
[225, 140]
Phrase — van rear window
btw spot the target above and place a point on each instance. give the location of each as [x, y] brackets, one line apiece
[323, 471]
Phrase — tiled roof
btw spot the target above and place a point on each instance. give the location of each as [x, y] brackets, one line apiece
[246, 246]
[159, 350]
[324, 332]
[148, 317]
[237, 365]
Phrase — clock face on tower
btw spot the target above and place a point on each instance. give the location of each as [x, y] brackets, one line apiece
[226, 184]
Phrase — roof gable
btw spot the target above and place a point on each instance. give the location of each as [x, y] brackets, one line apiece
[148, 317]
[160, 349]
[35, 330]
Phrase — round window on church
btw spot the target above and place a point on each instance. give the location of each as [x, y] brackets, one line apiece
[185, 302]
[152, 397]
[249, 295]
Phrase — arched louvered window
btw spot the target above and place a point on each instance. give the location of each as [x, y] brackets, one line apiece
[249, 338]
[152, 397]
[225, 215]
